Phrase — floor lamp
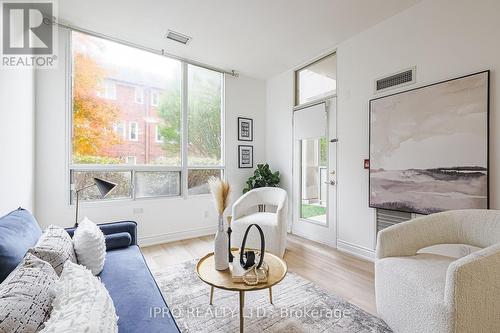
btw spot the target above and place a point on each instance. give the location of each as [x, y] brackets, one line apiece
[104, 188]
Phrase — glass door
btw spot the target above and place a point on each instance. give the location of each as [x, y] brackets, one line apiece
[313, 178]
[314, 172]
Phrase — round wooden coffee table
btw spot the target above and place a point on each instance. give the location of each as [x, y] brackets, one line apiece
[222, 279]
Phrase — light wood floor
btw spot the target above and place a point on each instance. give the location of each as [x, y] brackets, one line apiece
[343, 275]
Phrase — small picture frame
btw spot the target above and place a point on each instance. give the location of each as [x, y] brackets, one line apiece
[245, 129]
[245, 156]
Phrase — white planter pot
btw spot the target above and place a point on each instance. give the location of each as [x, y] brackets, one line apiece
[221, 252]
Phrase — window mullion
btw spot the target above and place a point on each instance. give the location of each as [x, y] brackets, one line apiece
[132, 180]
[184, 131]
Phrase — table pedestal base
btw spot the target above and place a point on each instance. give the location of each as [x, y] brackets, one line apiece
[242, 305]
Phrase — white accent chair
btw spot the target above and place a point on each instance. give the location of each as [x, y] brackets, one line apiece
[422, 292]
[274, 225]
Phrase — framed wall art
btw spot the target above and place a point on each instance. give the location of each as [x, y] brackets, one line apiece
[429, 147]
[245, 129]
[245, 156]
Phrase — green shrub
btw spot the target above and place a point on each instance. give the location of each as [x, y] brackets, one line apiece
[262, 177]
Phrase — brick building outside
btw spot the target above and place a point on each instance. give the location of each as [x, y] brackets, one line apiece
[137, 98]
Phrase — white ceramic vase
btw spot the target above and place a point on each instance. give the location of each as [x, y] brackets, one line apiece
[221, 252]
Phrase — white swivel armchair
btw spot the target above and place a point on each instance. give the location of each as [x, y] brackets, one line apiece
[422, 292]
[274, 225]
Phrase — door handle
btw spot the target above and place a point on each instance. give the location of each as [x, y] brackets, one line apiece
[331, 182]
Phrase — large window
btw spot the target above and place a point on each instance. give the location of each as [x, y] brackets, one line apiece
[317, 80]
[151, 124]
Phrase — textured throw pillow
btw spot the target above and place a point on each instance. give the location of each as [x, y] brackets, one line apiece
[55, 247]
[81, 304]
[25, 297]
[90, 246]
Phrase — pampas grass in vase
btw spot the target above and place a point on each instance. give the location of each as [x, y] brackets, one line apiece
[220, 194]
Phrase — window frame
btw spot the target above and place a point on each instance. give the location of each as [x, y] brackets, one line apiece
[130, 123]
[183, 168]
[296, 103]
[222, 171]
[133, 157]
[163, 196]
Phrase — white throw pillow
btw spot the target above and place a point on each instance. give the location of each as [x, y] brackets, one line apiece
[90, 246]
[81, 304]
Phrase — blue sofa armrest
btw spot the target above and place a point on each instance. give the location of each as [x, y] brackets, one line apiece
[115, 233]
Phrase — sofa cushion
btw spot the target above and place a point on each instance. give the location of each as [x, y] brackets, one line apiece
[81, 304]
[135, 293]
[25, 296]
[55, 247]
[18, 232]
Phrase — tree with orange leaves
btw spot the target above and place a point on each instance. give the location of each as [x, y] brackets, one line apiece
[93, 117]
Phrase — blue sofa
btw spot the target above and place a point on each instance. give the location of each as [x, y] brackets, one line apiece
[138, 301]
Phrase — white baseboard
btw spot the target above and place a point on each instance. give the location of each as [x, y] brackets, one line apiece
[356, 250]
[328, 243]
[176, 236]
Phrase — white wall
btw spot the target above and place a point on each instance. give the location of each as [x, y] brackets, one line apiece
[444, 39]
[162, 219]
[245, 97]
[279, 103]
[16, 139]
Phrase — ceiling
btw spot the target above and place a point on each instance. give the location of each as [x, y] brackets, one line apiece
[259, 38]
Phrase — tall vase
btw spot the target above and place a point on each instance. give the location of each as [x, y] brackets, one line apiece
[221, 253]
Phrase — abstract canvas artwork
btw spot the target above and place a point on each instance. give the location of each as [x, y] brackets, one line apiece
[429, 147]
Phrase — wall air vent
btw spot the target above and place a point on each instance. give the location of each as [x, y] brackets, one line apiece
[386, 218]
[178, 37]
[396, 80]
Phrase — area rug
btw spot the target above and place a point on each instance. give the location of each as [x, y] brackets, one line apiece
[299, 306]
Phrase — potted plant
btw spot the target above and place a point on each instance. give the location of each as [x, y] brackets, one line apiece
[262, 177]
